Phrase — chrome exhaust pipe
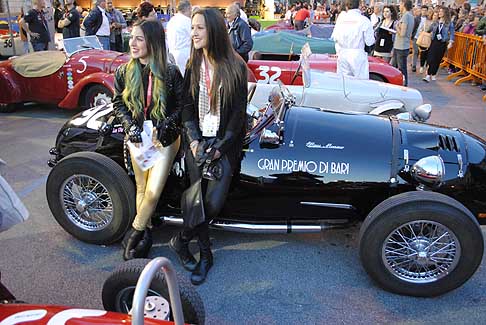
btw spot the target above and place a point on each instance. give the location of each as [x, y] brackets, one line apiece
[278, 228]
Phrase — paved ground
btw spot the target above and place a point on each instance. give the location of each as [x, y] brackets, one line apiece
[267, 279]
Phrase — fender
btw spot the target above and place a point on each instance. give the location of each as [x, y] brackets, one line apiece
[8, 81]
[71, 101]
[391, 105]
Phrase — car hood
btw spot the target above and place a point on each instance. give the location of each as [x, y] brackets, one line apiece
[110, 60]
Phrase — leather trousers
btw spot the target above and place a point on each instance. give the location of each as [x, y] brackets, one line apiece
[215, 193]
[150, 184]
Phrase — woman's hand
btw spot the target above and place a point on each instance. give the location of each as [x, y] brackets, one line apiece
[193, 147]
[217, 153]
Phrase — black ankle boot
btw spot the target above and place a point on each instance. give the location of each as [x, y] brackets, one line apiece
[137, 244]
[205, 263]
[180, 245]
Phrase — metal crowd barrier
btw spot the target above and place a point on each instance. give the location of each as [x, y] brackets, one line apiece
[468, 53]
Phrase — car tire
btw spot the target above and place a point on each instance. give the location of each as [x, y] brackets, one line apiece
[96, 95]
[91, 197]
[9, 108]
[118, 291]
[377, 77]
[395, 234]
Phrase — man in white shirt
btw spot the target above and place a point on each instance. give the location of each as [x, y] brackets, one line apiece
[351, 33]
[179, 34]
[377, 14]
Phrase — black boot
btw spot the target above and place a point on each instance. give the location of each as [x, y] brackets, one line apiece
[137, 244]
[180, 245]
[205, 262]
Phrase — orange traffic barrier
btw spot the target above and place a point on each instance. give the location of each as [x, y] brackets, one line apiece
[468, 53]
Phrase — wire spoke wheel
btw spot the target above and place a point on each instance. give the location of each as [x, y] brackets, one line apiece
[86, 202]
[421, 251]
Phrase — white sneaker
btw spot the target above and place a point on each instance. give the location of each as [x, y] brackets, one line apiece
[426, 78]
[433, 78]
[421, 70]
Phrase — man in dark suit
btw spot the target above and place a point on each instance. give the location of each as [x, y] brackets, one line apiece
[239, 32]
[97, 23]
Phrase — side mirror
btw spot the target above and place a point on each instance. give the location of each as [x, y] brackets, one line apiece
[422, 112]
[269, 138]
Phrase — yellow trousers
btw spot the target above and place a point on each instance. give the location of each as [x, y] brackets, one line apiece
[150, 184]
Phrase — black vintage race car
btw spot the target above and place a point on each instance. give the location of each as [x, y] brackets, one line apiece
[419, 189]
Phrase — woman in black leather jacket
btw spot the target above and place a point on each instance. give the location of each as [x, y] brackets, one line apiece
[155, 93]
[214, 126]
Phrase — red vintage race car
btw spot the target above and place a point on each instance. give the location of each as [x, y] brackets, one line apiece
[79, 76]
[271, 67]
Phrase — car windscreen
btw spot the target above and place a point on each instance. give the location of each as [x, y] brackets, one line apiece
[76, 44]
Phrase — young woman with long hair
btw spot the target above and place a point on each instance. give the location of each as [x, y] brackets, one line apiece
[384, 37]
[426, 27]
[442, 38]
[214, 124]
[148, 88]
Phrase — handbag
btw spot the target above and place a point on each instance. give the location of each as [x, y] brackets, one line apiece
[192, 205]
[424, 39]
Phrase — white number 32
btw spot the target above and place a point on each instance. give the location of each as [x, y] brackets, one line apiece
[267, 79]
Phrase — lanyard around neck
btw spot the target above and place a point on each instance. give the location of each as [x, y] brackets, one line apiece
[208, 81]
[149, 95]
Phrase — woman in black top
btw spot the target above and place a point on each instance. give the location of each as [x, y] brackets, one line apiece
[155, 93]
[384, 37]
[214, 125]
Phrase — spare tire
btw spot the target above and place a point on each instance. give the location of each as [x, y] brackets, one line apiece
[91, 197]
[118, 290]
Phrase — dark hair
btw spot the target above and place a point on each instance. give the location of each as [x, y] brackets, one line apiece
[144, 9]
[351, 4]
[255, 24]
[447, 14]
[407, 4]
[424, 7]
[393, 11]
[222, 56]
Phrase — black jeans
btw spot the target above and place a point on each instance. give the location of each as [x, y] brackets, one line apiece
[436, 52]
[400, 62]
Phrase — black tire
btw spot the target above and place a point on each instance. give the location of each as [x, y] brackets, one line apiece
[121, 283]
[82, 167]
[377, 77]
[435, 211]
[9, 108]
[96, 95]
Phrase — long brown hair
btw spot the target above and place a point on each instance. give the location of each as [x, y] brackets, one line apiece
[447, 14]
[133, 94]
[221, 54]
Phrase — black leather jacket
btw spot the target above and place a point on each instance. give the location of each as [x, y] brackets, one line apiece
[170, 127]
[232, 126]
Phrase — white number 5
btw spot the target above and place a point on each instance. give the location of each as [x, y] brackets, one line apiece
[85, 65]
[266, 77]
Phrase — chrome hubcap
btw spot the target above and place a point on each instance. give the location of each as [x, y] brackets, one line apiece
[101, 99]
[86, 202]
[421, 251]
[124, 301]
